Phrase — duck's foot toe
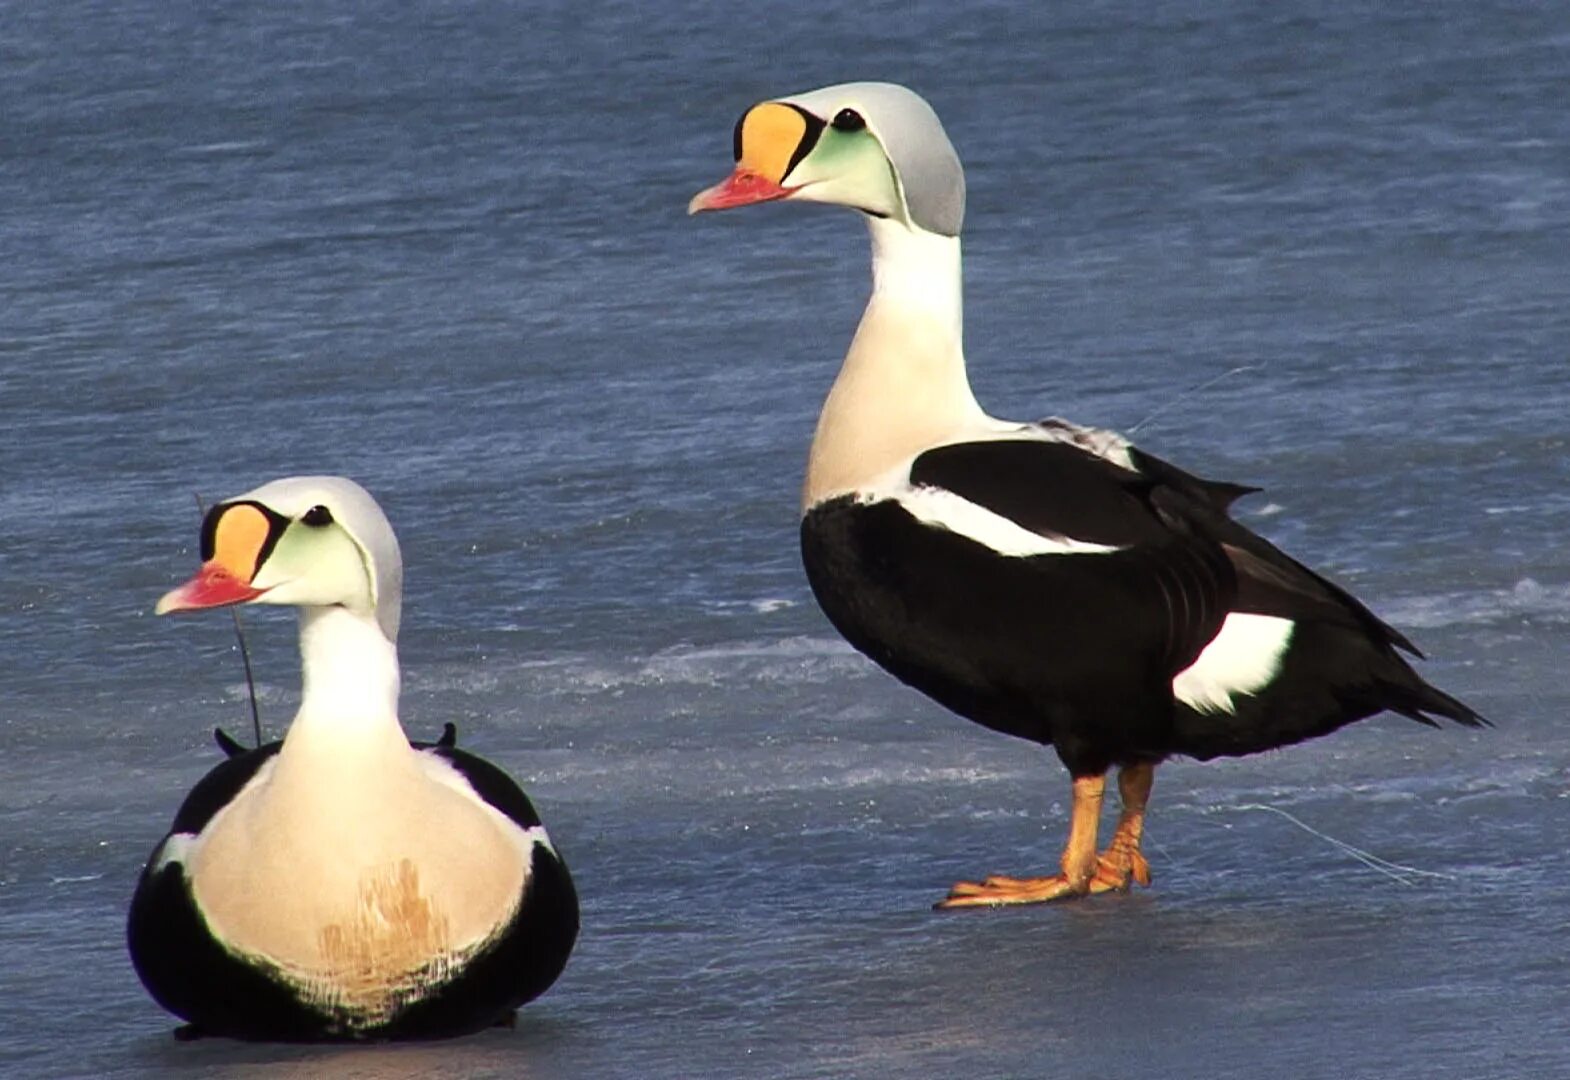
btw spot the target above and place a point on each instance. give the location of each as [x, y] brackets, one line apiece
[1119, 867]
[999, 890]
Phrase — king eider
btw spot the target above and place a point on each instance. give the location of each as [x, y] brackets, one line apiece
[1045, 580]
[342, 884]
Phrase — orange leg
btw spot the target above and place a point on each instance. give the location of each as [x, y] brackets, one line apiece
[1084, 871]
[1122, 862]
[1079, 861]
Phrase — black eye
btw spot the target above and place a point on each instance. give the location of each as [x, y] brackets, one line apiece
[317, 516]
[848, 120]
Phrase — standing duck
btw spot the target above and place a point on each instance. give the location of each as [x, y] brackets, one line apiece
[1046, 580]
[342, 884]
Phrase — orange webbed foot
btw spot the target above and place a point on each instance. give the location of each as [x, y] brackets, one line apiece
[999, 890]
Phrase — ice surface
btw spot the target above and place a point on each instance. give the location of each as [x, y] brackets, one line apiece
[441, 249]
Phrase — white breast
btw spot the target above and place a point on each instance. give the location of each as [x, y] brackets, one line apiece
[361, 885]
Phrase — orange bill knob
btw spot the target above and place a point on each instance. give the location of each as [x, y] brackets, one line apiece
[240, 534]
[770, 140]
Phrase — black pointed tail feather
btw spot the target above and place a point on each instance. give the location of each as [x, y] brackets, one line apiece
[1270, 582]
[1420, 701]
[228, 743]
[1331, 675]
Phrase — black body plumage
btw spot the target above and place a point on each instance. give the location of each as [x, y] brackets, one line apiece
[1080, 650]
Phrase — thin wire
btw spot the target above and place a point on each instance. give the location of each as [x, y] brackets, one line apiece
[245, 655]
[1190, 392]
[1393, 870]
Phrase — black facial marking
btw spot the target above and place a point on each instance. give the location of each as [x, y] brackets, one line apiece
[809, 138]
[276, 523]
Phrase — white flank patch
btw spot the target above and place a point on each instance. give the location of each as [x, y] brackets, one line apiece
[943, 509]
[536, 835]
[1243, 657]
[176, 847]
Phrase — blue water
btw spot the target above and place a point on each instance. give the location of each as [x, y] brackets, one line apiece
[441, 248]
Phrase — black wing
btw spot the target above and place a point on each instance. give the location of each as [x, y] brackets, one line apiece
[1051, 488]
[1073, 648]
[1271, 582]
[1060, 490]
[1342, 664]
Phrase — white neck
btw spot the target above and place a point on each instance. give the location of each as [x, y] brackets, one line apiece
[903, 386]
[350, 673]
[919, 272]
[345, 750]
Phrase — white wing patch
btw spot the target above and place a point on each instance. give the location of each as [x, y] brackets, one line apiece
[1241, 659]
[946, 510]
[942, 509]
